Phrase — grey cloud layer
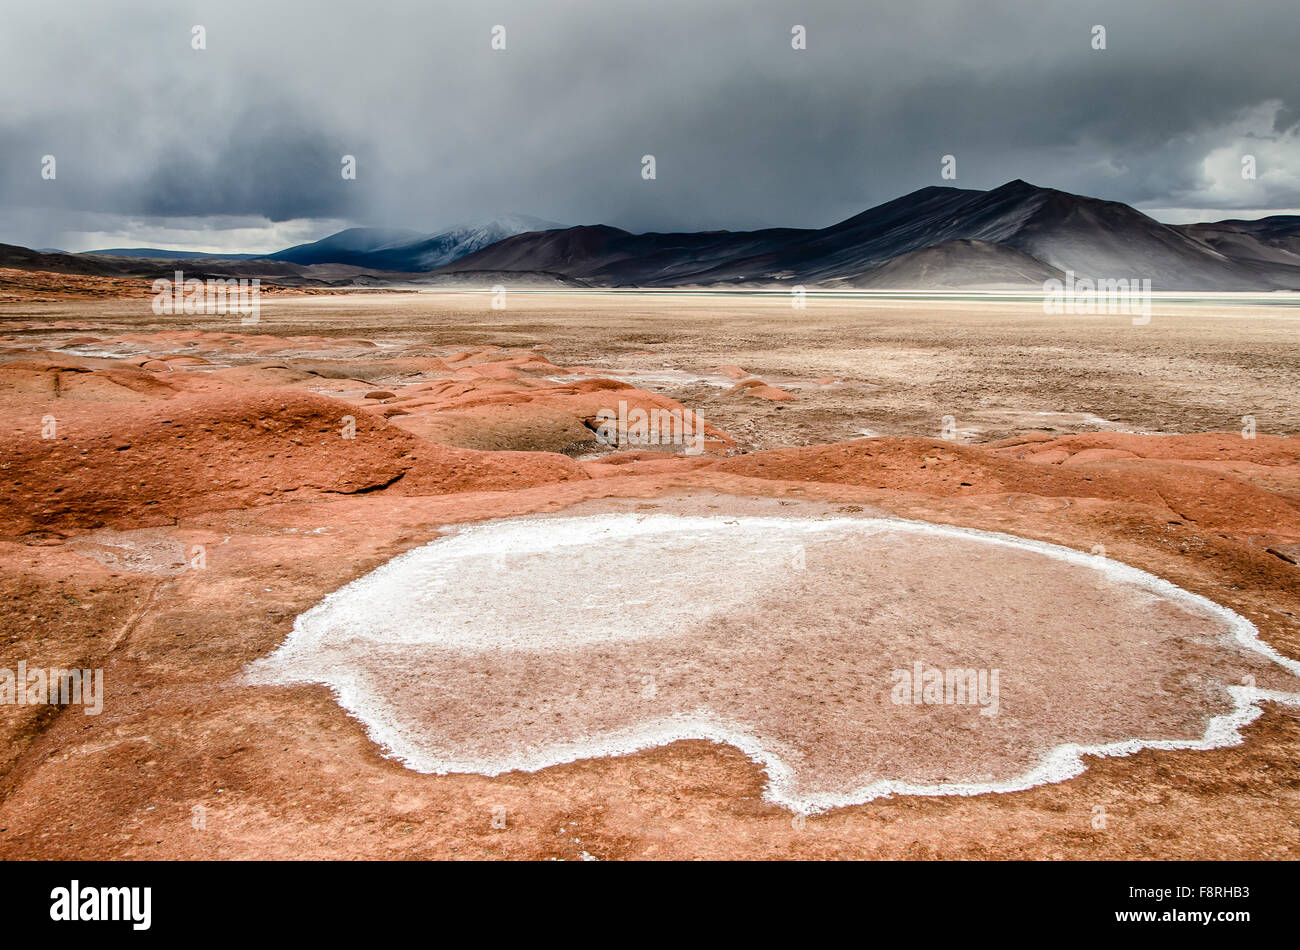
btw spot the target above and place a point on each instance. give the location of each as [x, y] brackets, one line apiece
[746, 131]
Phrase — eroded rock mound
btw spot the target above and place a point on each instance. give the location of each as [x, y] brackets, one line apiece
[104, 465]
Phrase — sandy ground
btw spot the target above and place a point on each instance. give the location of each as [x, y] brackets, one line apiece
[898, 366]
[197, 493]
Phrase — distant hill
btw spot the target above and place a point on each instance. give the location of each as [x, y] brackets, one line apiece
[345, 247]
[400, 250]
[285, 273]
[282, 272]
[409, 251]
[1017, 235]
[159, 254]
[1274, 240]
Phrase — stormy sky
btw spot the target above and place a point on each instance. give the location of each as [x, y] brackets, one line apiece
[238, 147]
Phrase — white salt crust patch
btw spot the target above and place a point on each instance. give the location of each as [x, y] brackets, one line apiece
[556, 586]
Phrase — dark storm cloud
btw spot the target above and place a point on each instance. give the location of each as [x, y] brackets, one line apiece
[269, 166]
[746, 131]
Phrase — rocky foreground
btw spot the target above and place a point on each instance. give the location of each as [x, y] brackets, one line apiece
[175, 499]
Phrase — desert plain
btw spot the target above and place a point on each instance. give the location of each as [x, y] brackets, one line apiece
[182, 489]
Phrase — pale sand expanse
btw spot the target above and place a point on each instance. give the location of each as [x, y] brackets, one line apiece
[995, 366]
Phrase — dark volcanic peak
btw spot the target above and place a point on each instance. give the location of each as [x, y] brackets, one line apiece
[959, 265]
[1055, 230]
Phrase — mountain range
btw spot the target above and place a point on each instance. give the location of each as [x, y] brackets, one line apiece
[384, 249]
[1014, 236]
